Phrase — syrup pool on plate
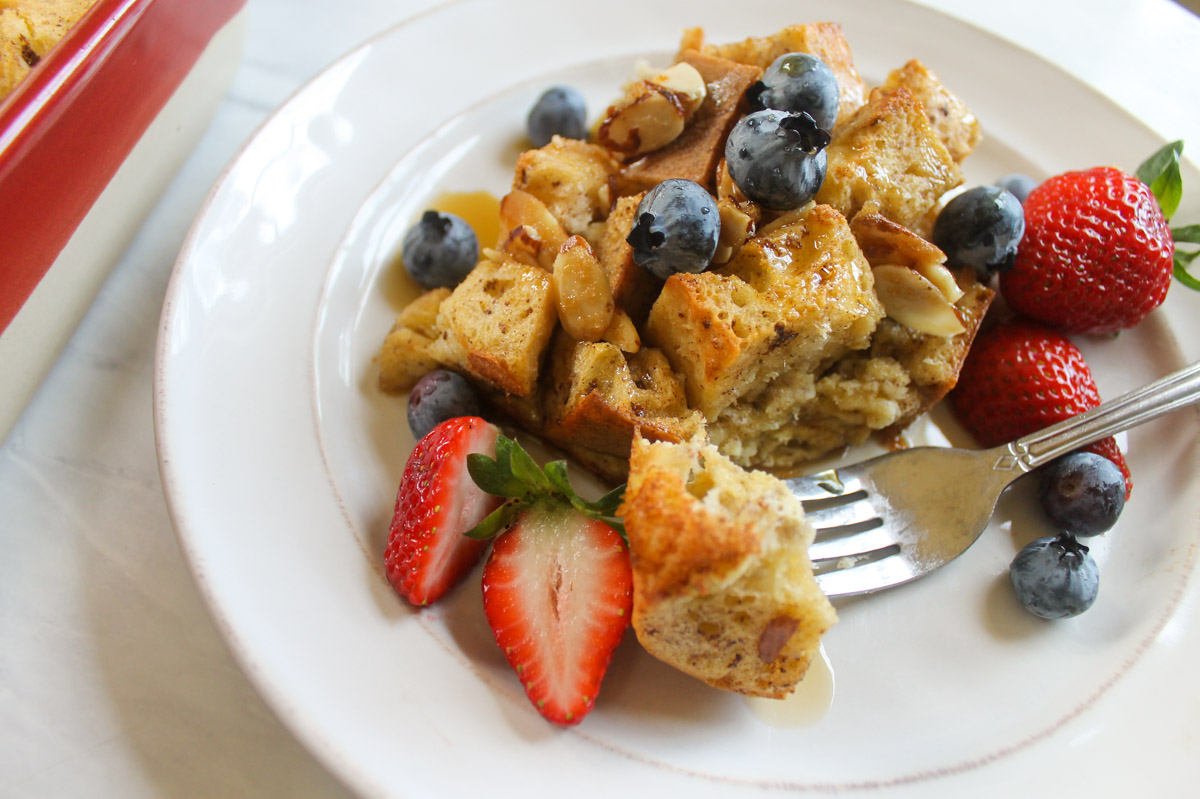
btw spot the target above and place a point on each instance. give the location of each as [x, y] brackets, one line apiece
[807, 705]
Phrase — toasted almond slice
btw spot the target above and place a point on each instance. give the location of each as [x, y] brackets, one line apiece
[525, 245]
[685, 81]
[518, 208]
[646, 118]
[736, 227]
[622, 333]
[886, 242]
[910, 299]
[940, 276]
[584, 298]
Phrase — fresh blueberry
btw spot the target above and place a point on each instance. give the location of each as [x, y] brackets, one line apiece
[1082, 493]
[777, 159]
[440, 250]
[1055, 577]
[560, 110]
[798, 82]
[1018, 186]
[676, 230]
[981, 228]
[438, 396]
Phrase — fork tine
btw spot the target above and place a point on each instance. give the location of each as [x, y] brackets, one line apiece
[883, 573]
[847, 546]
[857, 510]
[818, 487]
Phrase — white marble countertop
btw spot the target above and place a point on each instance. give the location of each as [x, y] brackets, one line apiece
[113, 679]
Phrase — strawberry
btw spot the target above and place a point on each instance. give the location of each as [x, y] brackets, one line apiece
[437, 502]
[1021, 376]
[558, 586]
[1097, 254]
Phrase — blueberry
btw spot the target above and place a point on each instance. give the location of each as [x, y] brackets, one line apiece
[1055, 577]
[1018, 186]
[560, 110]
[440, 250]
[981, 228]
[676, 230]
[1082, 493]
[438, 396]
[798, 82]
[777, 159]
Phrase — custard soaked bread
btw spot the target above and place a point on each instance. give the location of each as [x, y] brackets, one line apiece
[809, 329]
[722, 586]
[28, 30]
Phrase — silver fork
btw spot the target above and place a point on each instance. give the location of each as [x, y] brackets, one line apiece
[897, 517]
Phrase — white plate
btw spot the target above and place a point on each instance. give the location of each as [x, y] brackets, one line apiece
[280, 461]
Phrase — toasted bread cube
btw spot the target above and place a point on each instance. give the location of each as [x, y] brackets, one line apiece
[496, 325]
[600, 397]
[790, 300]
[825, 40]
[888, 153]
[406, 354]
[572, 178]
[694, 154]
[953, 122]
[723, 588]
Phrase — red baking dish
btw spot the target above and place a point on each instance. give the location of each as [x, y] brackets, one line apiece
[88, 141]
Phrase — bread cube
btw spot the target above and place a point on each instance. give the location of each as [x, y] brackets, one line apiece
[496, 325]
[888, 154]
[958, 128]
[572, 178]
[406, 355]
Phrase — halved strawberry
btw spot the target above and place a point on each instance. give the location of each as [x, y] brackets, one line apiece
[427, 551]
[558, 592]
[558, 587]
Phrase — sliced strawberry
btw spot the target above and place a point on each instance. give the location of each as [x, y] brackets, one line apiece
[427, 551]
[558, 592]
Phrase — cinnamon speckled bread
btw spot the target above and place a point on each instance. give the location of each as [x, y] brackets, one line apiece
[723, 588]
[28, 30]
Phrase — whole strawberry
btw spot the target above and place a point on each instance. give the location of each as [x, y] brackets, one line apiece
[1020, 377]
[436, 504]
[558, 586]
[1096, 256]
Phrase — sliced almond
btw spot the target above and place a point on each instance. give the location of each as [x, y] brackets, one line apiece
[940, 276]
[685, 81]
[646, 118]
[886, 242]
[736, 227]
[913, 301]
[622, 333]
[520, 208]
[584, 298]
[525, 245]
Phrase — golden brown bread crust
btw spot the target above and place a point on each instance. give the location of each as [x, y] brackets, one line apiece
[723, 589]
[496, 325]
[888, 154]
[958, 128]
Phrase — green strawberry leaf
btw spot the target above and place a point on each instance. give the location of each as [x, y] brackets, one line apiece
[1161, 173]
[494, 476]
[1183, 260]
[1189, 234]
[526, 469]
[607, 505]
[497, 521]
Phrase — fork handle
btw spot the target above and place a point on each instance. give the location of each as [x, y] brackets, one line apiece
[1176, 390]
